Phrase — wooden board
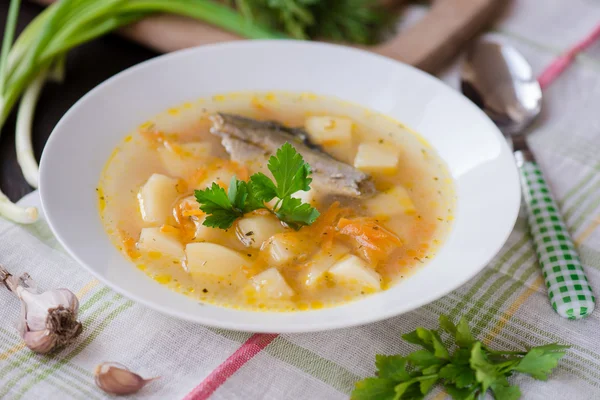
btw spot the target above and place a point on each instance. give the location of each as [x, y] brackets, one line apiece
[429, 44]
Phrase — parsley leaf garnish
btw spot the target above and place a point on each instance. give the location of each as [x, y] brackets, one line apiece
[291, 175]
[466, 374]
[290, 171]
[218, 206]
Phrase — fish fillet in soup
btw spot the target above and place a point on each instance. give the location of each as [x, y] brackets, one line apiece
[384, 197]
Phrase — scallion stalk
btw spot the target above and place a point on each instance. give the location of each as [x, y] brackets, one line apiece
[25, 156]
[39, 52]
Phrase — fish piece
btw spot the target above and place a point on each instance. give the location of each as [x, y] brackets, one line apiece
[250, 141]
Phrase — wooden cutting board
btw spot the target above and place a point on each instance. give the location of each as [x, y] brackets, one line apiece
[429, 44]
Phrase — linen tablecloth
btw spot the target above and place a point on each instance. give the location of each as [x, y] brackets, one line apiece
[506, 303]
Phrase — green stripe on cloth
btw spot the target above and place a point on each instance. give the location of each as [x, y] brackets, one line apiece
[236, 336]
[486, 275]
[71, 379]
[47, 359]
[80, 347]
[503, 279]
[513, 290]
[586, 214]
[576, 206]
[582, 183]
[313, 364]
[94, 299]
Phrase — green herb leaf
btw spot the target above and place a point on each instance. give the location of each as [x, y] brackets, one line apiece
[222, 219]
[290, 171]
[292, 174]
[468, 373]
[485, 372]
[392, 367]
[447, 325]
[403, 390]
[540, 361]
[374, 388]
[426, 384]
[263, 187]
[430, 340]
[504, 392]
[463, 334]
[461, 394]
[461, 375]
[218, 206]
[237, 194]
[295, 213]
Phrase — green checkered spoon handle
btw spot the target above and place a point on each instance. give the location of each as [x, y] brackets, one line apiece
[568, 288]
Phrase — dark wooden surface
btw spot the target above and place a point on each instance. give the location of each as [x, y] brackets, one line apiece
[87, 66]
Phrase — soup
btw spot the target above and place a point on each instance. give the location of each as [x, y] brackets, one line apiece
[384, 201]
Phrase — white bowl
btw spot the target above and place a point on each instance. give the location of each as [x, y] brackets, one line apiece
[479, 159]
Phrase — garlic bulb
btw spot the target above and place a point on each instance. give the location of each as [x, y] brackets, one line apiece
[116, 379]
[49, 319]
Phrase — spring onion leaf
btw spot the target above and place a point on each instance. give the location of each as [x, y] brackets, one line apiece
[291, 174]
[467, 374]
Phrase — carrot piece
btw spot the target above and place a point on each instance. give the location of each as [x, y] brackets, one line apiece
[170, 229]
[369, 238]
[129, 245]
[324, 226]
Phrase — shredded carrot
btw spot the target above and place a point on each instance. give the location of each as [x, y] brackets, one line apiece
[182, 213]
[369, 238]
[324, 226]
[129, 245]
[170, 229]
[192, 213]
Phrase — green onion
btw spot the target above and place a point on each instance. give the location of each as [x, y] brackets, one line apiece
[39, 54]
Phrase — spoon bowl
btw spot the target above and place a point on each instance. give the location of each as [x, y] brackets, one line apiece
[500, 81]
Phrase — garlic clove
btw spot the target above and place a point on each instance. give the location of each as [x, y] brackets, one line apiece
[114, 378]
[41, 342]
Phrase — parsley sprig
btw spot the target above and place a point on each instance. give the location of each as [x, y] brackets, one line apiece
[466, 374]
[291, 175]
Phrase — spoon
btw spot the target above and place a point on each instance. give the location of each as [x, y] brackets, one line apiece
[498, 79]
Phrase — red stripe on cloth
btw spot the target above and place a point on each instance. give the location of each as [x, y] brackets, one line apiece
[249, 349]
[559, 65]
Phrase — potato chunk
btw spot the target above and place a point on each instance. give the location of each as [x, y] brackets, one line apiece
[206, 233]
[209, 259]
[322, 261]
[156, 198]
[353, 270]
[272, 284]
[254, 230]
[152, 240]
[329, 130]
[182, 160]
[374, 157]
[284, 247]
[391, 202]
